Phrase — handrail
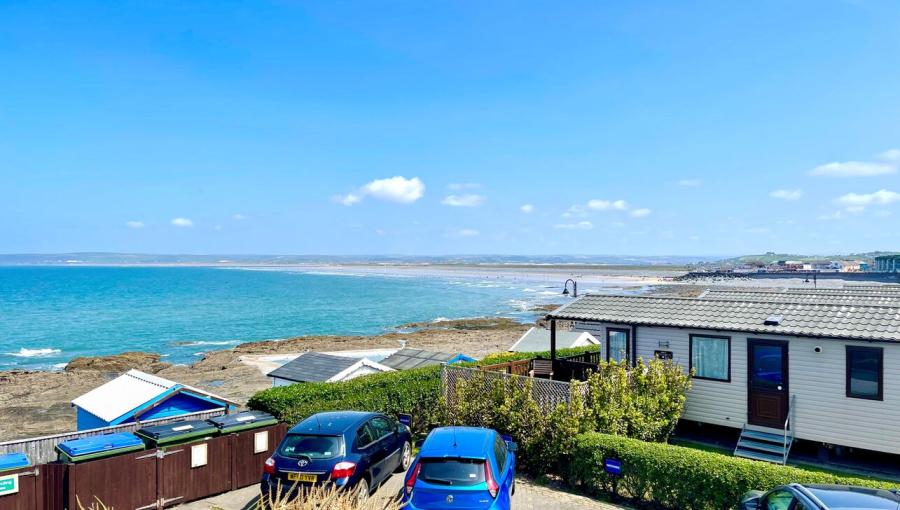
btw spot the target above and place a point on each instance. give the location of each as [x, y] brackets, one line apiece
[789, 423]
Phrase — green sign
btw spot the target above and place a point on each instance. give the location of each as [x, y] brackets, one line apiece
[9, 484]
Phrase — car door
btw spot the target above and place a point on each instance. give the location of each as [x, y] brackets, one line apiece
[385, 432]
[368, 450]
[504, 467]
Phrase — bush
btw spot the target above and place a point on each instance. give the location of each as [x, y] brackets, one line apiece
[683, 478]
[417, 392]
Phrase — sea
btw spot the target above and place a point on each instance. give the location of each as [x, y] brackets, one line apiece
[51, 314]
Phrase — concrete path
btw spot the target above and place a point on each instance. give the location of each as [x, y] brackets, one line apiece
[528, 497]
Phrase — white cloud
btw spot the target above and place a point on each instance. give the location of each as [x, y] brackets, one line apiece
[239, 217]
[889, 160]
[880, 197]
[134, 224]
[527, 208]
[787, 194]
[856, 209]
[605, 205]
[393, 189]
[694, 238]
[182, 222]
[640, 213]
[467, 232]
[690, 183]
[463, 200]
[836, 215]
[581, 225]
[456, 186]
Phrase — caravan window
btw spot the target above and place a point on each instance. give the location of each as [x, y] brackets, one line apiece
[711, 357]
[865, 372]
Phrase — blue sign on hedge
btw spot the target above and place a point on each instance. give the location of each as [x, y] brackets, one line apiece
[405, 419]
[613, 466]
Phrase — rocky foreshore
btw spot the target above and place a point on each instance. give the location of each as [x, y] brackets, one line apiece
[36, 403]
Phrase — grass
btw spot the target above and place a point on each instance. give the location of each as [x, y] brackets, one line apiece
[833, 470]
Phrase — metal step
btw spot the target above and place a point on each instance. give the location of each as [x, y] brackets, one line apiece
[759, 435]
[749, 454]
[749, 444]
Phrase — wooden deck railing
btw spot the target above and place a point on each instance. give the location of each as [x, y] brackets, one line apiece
[517, 367]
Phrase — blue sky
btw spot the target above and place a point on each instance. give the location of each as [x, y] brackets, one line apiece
[441, 128]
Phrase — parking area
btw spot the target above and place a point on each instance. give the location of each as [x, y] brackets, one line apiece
[529, 496]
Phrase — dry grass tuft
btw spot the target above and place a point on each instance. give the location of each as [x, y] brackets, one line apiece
[331, 498]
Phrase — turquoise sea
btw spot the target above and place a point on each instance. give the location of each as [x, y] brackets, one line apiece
[49, 315]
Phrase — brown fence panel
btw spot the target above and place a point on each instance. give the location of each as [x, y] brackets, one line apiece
[248, 462]
[195, 470]
[122, 482]
[53, 484]
[30, 495]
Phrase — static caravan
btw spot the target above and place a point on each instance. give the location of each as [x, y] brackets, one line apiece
[776, 370]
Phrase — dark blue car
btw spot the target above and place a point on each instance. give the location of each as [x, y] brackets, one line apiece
[347, 448]
[462, 468]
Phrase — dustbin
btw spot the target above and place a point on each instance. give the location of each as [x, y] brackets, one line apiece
[98, 447]
[177, 432]
[243, 421]
[11, 461]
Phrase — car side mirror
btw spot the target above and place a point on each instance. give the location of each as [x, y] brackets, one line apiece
[512, 446]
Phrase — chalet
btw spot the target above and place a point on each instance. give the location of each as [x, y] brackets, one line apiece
[775, 368]
[538, 340]
[137, 396]
[320, 367]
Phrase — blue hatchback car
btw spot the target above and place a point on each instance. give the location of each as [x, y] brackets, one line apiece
[462, 468]
[347, 448]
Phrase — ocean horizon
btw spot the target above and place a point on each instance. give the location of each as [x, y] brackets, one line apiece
[50, 315]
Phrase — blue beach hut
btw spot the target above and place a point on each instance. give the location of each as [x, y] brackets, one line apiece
[138, 396]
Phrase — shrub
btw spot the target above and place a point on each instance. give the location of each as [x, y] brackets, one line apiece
[417, 392]
[683, 478]
[644, 402]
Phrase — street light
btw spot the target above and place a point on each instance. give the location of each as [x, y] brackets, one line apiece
[574, 288]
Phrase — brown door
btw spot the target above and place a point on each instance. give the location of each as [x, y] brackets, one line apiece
[767, 392]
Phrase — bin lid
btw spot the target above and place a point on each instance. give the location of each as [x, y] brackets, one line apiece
[13, 461]
[178, 430]
[243, 420]
[102, 443]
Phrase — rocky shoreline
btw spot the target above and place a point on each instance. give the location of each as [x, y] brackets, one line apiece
[36, 403]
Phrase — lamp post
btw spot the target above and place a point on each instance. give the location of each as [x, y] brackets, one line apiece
[574, 288]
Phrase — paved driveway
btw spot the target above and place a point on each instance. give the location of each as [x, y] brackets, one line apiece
[528, 497]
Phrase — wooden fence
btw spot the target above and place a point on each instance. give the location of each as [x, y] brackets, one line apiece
[41, 450]
[150, 479]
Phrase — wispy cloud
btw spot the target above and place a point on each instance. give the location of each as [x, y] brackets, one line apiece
[787, 194]
[757, 230]
[581, 225]
[527, 208]
[238, 217]
[463, 200]
[880, 197]
[605, 205]
[836, 215]
[392, 189]
[690, 183]
[466, 232]
[885, 163]
[183, 222]
[134, 224]
[640, 213]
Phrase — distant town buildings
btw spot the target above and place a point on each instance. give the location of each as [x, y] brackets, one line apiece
[887, 263]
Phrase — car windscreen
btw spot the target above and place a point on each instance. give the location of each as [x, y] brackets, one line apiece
[453, 472]
[844, 497]
[314, 447]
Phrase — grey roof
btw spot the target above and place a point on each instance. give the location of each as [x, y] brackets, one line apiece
[313, 367]
[414, 358]
[538, 340]
[805, 297]
[803, 319]
[851, 291]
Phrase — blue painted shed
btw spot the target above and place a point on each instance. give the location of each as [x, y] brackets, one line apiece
[136, 395]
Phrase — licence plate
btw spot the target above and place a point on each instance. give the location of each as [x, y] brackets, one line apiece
[302, 477]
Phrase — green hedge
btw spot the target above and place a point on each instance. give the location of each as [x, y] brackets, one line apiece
[684, 478]
[416, 391]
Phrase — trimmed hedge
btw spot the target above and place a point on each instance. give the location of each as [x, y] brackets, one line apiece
[417, 392]
[684, 478]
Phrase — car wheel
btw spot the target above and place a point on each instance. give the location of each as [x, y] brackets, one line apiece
[363, 489]
[405, 457]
